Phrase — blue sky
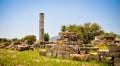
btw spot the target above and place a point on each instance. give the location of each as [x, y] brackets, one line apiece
[19, 18]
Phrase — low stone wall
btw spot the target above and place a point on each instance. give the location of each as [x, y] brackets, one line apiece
[114, 52]
[61, 51]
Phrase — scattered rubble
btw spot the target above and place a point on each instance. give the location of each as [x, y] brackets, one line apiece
[16, 45]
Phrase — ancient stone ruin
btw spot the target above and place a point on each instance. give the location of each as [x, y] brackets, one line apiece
[113, 49]
[64, 46]
[113, 52]
[67, 46]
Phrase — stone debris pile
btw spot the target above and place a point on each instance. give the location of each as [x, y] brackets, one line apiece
[16, 45]
[113, 52]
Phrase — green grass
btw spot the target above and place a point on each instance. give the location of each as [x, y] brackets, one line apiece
[32, 58]
[104, 47]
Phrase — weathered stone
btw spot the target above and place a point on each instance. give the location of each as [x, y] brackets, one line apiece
[16, 43]
[93, 56]
[104, 53]
[65, 54]
[49, 46]
[29, 42]
[114, 54]
[79, 56]
[24, 47]
[55, 52]
[114, 48]
[89, 48]
[117, 61]
[49, 53]
[42, 52]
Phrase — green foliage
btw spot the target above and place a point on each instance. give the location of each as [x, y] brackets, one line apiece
[63, 28]
[14, 39]
[111, 34]
[46, 37]
[29, 37]
[32, 58]
[86, 32]
[4, 40]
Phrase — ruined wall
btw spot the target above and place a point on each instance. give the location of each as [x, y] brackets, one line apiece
[64, 46]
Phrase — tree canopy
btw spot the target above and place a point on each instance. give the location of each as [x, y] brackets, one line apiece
[29, 37]
[63, 28]
[86, 32]
[46, 37]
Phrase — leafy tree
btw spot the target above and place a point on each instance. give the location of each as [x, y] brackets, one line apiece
[111, 34]
[4, 39]
[29, 37]
[46, 37]
[86, 32]
[71, 28]
[14, 39]
[63, 28]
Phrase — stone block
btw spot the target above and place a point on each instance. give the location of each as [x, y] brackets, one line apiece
[55, 52]
[42, 52]
[79, 56]
[59, 54]
[116, 60]
[49, 53]
[93, 56]
[65, 54]
[114, 48]
[114, 54]
[49, 46]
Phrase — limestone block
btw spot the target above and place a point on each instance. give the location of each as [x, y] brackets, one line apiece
[29, 42]
[116, 61]
[23, 47]
[93, 56]
[65, 54]
[42, 52]
[79, 56]
[55, 52]
[114, 48]
[59, 54]
[114, 54]
[49, 53]
[49, 46]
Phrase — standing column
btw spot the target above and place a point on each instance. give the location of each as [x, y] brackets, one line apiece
[41, 27]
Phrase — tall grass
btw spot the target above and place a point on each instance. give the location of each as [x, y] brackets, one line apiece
[32, 58]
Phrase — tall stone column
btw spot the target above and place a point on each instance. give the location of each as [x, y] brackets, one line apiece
[41, 27]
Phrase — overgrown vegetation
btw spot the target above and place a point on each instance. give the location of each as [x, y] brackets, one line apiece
[46, 37]
[28, 37]
[86, 32]
[32, 58]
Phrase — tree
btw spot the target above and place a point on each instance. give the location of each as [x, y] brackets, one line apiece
[46, 37]
[86, 32]
[14, 39]
[71, 28]
[111, 34]
[29, 37]
[4, 40]
[63, 28]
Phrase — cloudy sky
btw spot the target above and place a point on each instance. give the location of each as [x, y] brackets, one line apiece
[19, 18]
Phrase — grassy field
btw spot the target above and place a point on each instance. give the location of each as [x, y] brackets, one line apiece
[32, 58]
